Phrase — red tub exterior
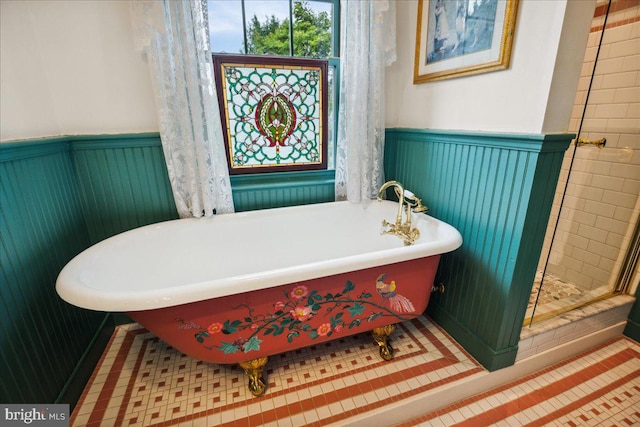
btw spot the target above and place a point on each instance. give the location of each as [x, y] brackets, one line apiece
[242, 327]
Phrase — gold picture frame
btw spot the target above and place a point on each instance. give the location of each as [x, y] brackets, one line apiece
[456, 38]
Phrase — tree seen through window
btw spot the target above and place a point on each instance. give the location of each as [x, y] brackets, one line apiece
[311, 33]
[299, 28]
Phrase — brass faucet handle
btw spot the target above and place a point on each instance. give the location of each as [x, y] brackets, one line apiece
[419, 207]
[414, 202]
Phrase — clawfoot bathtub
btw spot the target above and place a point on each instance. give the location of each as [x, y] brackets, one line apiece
[238, 288]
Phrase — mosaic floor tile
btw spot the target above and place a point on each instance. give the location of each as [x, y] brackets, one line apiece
[554, 290]
[557, 295]
[598, 388]
[142, 381]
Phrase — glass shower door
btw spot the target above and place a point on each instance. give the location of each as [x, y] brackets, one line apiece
[591, 246]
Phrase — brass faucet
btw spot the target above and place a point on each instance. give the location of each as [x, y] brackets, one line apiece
[413, 202]
[408, 200]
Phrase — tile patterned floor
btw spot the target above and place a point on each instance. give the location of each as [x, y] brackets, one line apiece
[598, 388]
[141, 381]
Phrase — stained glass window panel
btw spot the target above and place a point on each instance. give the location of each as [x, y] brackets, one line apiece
[274, 112]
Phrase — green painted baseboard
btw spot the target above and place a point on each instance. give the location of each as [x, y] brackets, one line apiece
[491, 359]
[632, 330]
[80, 376]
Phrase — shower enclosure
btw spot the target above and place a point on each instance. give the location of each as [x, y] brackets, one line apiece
[592, 242]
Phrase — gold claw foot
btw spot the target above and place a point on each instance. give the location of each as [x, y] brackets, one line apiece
[381, 335]
[253, 369]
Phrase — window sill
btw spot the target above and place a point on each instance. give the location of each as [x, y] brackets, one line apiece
[280, 180]
[278, 189]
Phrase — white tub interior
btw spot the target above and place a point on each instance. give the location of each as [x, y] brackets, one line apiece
[188, 260]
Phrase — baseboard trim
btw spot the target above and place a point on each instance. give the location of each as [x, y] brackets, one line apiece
[632, 330]
[487, 356]
[83, 370]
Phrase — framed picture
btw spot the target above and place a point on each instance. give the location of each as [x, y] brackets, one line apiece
[273, 112]
[458, 38]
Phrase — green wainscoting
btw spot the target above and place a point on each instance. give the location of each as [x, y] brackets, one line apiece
[497, 190]
[632, 330]
[274, 190]
[42, 338]
[60, 195]
[122, 182]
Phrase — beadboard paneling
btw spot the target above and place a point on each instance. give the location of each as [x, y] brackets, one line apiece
[497, 191]
[42, 338]
[122, 182]
[56, 201]
[58, 196]
[282, 189]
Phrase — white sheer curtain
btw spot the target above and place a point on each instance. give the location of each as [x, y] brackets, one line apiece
[367, 46]
[174, 36]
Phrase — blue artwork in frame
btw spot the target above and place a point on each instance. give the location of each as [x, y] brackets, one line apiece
[463, 37]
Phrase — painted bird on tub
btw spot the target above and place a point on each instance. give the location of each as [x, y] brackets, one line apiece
[396, 302]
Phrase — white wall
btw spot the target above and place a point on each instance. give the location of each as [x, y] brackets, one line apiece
[69, 68]
[518, 99]
[26, 106]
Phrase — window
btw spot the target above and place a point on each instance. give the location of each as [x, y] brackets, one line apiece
[257, 27]
[302, 29]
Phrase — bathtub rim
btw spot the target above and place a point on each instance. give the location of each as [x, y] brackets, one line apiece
[72, 290]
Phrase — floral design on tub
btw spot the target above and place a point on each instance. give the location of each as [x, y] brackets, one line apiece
[299, 310]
